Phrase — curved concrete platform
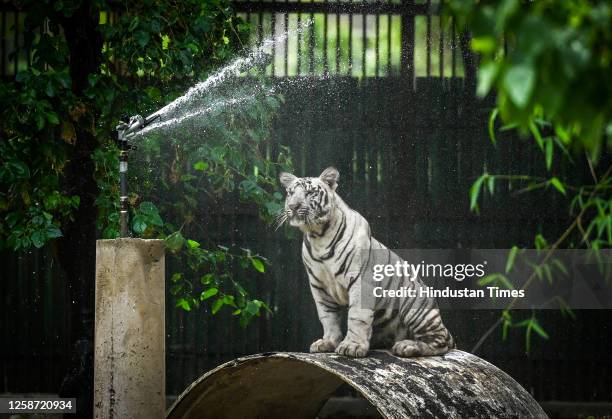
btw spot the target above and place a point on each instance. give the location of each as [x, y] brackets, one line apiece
[296, 385]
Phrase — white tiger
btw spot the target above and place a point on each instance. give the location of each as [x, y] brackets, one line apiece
[334, 238]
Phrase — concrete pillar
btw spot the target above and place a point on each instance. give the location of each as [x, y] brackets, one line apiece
[129, 366]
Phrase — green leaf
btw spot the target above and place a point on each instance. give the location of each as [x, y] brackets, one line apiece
[540, 242]
[486, 77]
[201, 165]
[565, 309]
[165, 41]
[519, 82]
[511, 258]
[207, 279]
[492, 118]
[538, 329]
[176, 289]
[535, 131]
[38, 239]
[49, 90]
[505, 282]
[229, 300]
[177, 276]
[217, 305]
[258, 265]
[483, 44]
[475, 191]
[53, 118]
[252, 308]
[558, 185]
[184, 304]
[148, 208]
[133, 23]
[40, 121]
[139, 224]
[560, 266]
[142, 38]
[496, 279]
[487, 279]
[528, 337]
[193, 244]
[175, 241]
[53, 232]
[507, 323]
[549, 154]
[211, 292]
[491, 184]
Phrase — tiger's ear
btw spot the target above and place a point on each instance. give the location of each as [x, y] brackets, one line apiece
[330, 176]
[286, 179]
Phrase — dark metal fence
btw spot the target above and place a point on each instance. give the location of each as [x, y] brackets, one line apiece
[13, 56]
[359, 39]
[390, 101]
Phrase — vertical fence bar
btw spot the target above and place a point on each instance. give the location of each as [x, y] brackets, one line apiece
[3, 51]
[453, 49]
[364, 35]
[428, 40]
[286, 34]
[441, 48]
[325, 40]
[389, 34]
[299, 44]
[16, 42]
[273, 28]
[350, 46]
[337, 43]
[407, 44]
[311, 44]
[377, 48]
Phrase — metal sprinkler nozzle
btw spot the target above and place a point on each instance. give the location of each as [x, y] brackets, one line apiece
[125, 131]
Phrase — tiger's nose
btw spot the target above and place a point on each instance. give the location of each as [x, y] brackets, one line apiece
[294, 207]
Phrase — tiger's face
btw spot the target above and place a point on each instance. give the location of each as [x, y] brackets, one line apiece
[310, 200]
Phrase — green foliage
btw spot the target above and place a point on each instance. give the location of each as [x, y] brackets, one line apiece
[217, 158]
[106, 160]
[545, 60]
[151, 40]
[33, 153]
[210, 273]
[548, 63]
[529, 324]
[151, 52]
[40, 113]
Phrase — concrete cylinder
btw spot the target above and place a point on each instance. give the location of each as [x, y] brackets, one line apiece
[129, 365]
[296, 385]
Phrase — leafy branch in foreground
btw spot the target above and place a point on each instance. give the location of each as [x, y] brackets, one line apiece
[207, 275]
[545, 60]
[595, 237]
[547, 63]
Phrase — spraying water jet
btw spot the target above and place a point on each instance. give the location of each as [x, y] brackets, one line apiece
[182, 108]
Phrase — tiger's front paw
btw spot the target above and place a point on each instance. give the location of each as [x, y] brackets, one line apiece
[352, 349]
[323, 345]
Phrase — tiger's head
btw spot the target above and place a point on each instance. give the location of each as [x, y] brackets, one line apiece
[310, 200]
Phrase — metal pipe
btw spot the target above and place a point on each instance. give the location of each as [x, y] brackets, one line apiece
[125, 131]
